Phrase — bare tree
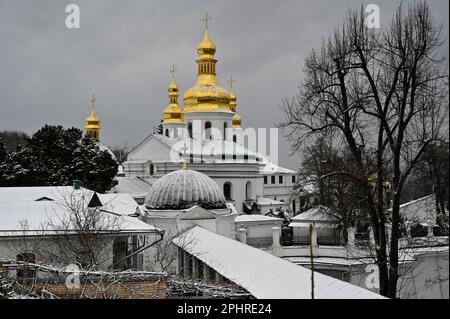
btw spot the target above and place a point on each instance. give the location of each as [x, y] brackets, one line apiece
[121, 152]
[83, 231]
[383, 94]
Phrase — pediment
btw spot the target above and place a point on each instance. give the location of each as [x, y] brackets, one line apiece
[196, 213]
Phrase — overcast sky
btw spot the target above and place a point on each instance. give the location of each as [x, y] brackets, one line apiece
[124, 50]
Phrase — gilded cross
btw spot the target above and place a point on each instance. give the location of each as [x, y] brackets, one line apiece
[93, 101]
[206, 19]
[172, 71]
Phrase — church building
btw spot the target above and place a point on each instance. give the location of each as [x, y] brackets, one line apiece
[206, 133]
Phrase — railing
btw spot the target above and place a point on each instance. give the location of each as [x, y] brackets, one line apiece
[261, 242]
[321, 240]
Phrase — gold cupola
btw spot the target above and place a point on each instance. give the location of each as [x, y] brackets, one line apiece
[92, 127]
[206, 95]
[173, 113]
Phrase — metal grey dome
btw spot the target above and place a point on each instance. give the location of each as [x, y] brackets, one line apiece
[183, 189]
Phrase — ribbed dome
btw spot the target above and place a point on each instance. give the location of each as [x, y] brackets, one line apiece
[183, 189]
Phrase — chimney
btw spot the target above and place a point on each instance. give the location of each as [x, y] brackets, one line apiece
[76, 184]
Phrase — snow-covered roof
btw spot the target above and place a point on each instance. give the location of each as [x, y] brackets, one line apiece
[135, 186]
[420, 210]
[119, 203]
[42, 217]
[182, 189]
[252, 269]
[272, 168]
[36, 207]
[317, 214]
[405, 255]
[18, 194]
[256, 218]
[263, 201]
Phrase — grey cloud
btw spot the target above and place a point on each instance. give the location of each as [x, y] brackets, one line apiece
[124, 50]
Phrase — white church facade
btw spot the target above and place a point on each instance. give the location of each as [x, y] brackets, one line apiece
[207, 135]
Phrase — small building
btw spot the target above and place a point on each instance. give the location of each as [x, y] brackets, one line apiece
[64, 224]
[257, 228]
[326, 223]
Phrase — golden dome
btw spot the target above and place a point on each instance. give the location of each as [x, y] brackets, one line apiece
[206, 46]
[233, 103]
[92, 127]
[173, 113]
[236, 121]
[206, 94]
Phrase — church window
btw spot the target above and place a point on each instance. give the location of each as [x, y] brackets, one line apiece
[152, 169]
[272, 179]
[208, 130]
[280, 179]
[227, 190]
[190, 130]
[224, 130]
[265, 179]
[248, 190]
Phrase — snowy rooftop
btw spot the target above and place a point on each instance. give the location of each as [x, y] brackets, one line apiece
[250, 268]
[135, 186]
[256, 218]
[317, 214]
[421, 210]
[32, 209]
[263, 201]
[213, 151]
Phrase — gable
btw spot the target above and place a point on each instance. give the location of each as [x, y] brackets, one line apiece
[150, 149]
[196, 213]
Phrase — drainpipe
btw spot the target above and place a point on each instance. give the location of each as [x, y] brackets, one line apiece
[160, 232]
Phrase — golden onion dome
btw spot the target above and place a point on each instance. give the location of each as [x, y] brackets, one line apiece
[206, 94]
[236, 121]
[92, 127]
[173, 113]
[206, 47]
[92, 121]
[233, 102]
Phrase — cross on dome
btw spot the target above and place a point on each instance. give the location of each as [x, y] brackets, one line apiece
[206, 19]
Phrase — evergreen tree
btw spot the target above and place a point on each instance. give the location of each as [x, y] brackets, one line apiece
[58, 156]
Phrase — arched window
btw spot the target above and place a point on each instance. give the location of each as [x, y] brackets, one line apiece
[225, 126]
[190, 130]
[227, 190]
[208, 131]
[167, 132]
[152, 170]
[248, 190]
